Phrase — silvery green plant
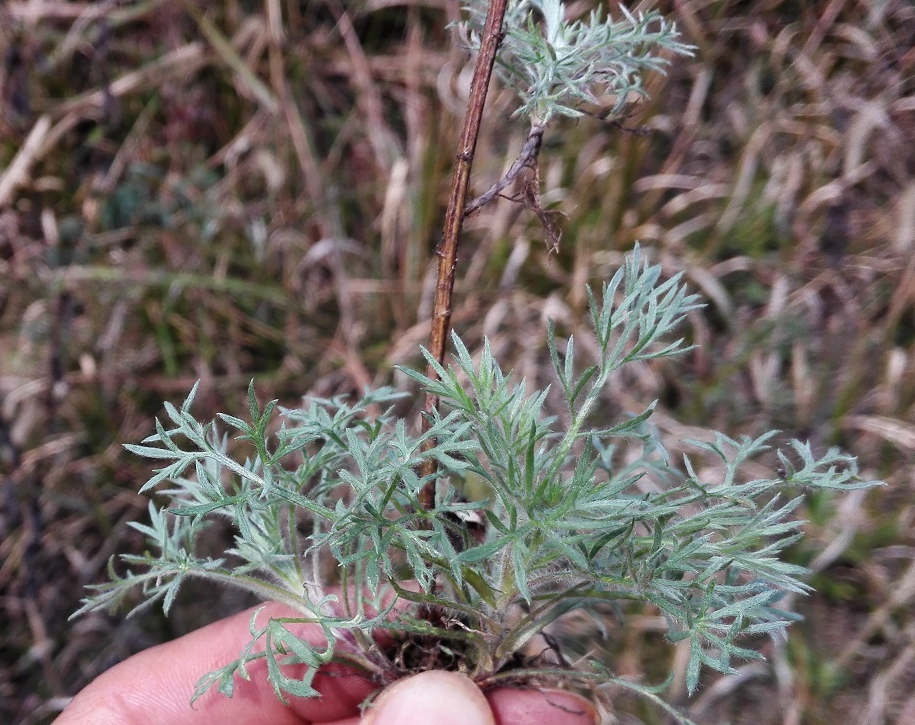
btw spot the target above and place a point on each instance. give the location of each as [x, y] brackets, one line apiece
[324, 509]
[559, 67]
[556, 66]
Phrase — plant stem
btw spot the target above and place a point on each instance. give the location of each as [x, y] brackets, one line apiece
[454, 219]
[527, 158]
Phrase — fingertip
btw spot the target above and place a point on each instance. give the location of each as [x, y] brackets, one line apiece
[515, 706]
[435, 697]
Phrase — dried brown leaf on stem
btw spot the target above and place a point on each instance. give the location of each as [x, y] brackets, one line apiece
[526, 159]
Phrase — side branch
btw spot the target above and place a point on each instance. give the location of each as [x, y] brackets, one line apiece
[454, 217]
[526, 159]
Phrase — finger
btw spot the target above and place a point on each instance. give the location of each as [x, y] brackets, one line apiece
[156, 685]
[448, 698]
[514, 706]
[435, 696]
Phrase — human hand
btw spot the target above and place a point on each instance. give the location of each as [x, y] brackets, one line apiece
[155, 686]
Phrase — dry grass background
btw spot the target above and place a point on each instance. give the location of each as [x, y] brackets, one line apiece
[254, 189]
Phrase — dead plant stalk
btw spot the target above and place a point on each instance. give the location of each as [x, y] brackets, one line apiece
[454, 220]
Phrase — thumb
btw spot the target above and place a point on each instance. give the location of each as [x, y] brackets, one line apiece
[435, 697]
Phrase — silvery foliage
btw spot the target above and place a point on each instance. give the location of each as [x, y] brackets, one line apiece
[555, 66]
[566, 523]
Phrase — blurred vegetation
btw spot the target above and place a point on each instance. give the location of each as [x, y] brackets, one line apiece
[240, 190]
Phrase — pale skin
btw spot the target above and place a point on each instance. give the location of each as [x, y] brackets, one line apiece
[155, 686]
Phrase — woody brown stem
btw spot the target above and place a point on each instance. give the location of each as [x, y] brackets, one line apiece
[454, 219]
